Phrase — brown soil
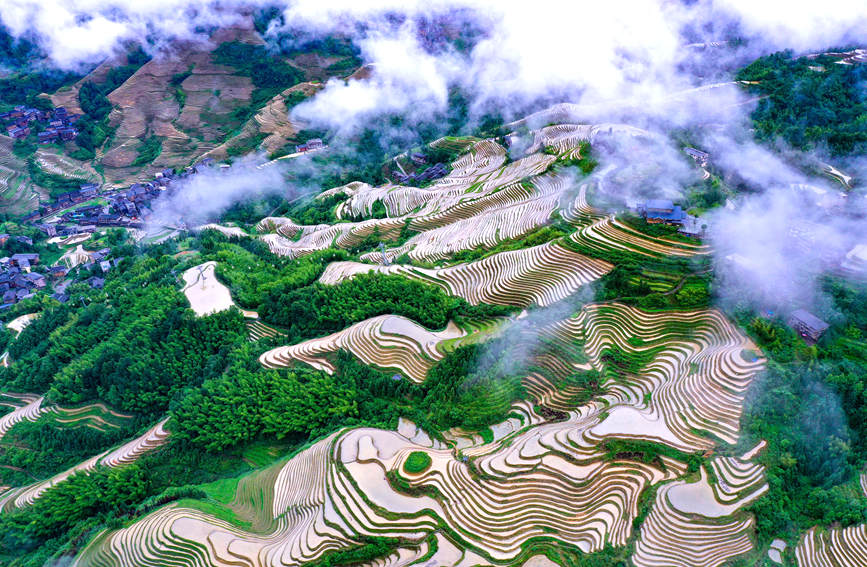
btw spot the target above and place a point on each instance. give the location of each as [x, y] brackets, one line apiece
[68, 98]
[146, 105]
[272, 120]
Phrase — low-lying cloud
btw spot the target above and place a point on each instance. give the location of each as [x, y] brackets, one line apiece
[772, 247]
[202, 197]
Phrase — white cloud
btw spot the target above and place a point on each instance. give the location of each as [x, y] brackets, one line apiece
[77, 33]
[800, 24]
[405, 78]
[202, 197]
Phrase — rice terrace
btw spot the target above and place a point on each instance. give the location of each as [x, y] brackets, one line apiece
[310, 284]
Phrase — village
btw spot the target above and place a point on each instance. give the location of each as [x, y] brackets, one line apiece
[57, 125]
[22, 275]
[70, 219]
[125, 208]
[422, 174]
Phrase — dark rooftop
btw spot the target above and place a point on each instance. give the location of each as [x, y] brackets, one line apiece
[809, 320]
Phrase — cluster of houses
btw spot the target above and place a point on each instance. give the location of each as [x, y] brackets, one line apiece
[127, 207]
[20, 281]
[309, 145]
[66, 200]
[4, 238]
[17, 282]
[59, 123]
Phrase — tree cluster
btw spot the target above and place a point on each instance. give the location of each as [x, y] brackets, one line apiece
[809, 102]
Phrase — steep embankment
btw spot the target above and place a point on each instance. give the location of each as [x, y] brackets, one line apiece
[272, 121]
[191, 116]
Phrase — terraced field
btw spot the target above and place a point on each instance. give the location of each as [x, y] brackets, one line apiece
[482, 202]
[75, 256]
[123, 455]
[535, 478]
[19, 323]
[668, 386]
[258, 330]
[204, 291]
[18, 194]
[230, 231]
[835, 547]
[95, 416]
[30, 407]
[540, 275]
[387, 341]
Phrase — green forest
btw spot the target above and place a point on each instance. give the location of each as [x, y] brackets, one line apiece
[809, 102]
[811, 407]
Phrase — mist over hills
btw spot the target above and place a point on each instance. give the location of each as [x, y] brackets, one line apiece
[455, 282]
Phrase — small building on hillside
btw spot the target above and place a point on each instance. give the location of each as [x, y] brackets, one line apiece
[59, 271]
[698, 156]
[692, 227]
[311, 144]
[18, 132]
[662, 210]
[810, 327]
[35, 279]
[48, 229]
[88, 189]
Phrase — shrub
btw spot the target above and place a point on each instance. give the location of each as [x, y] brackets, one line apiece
[417, 462]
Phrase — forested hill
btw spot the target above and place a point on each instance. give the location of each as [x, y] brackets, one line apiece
[810, 102]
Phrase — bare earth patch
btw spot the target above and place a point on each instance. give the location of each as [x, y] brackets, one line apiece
[205, 293]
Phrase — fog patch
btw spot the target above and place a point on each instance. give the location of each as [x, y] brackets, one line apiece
[202, 197]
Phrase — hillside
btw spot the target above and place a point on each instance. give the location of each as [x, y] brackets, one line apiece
[178, 107]
[810, 101]
[496, 363]
[430, 338]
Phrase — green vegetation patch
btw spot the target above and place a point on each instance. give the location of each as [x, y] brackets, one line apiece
[243, 146]
[56, 184]
[649, 452]
[319, 309]
[809, 102]
[148, 151]
[25, 76]
[270, 74]
[371, 548]
[253, 273]
[417, 462]
[129, 345]
[810, 405]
